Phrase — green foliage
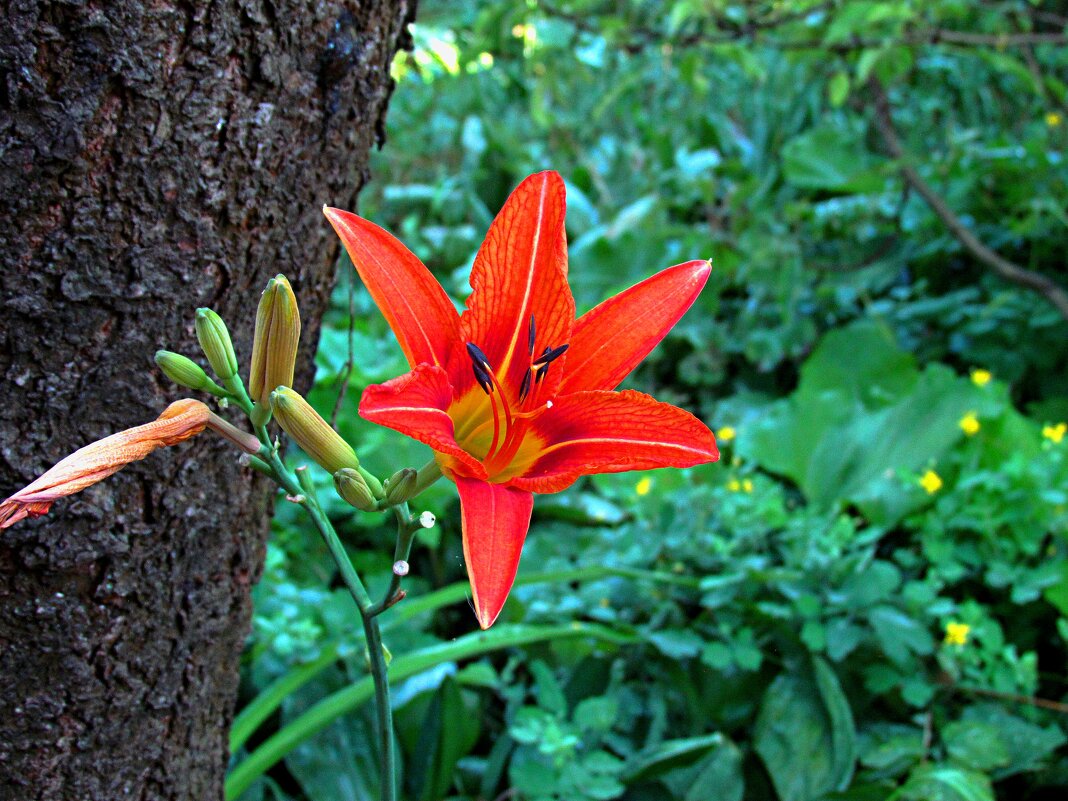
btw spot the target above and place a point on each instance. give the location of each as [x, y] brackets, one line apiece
[776, 626]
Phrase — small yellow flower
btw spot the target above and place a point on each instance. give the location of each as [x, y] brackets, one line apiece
[1055, 433]
[1053, 119]
[969, 424]
[957, 633]
[747, 485]
[725, 434]
[643, 486]
[981, 377]
[734, 485]
[931, 481]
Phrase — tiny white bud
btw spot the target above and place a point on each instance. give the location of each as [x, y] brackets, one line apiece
[427, 520]
[400, 568]
[295, 498]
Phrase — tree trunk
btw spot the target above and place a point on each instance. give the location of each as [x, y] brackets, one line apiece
[154, 157]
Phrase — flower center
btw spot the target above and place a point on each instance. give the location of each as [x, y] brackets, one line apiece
[509, 420]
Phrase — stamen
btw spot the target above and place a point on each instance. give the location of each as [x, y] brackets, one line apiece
[530, 336]
[482, 377]
[481, 368]
[553, 354]
[525, 386]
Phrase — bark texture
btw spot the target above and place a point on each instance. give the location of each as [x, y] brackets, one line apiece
[154, 157]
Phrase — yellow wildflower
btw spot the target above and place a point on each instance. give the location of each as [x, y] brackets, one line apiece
[957, 633]
[1055, 433]
[725, 434]
[747, 485]
[1053, 119]
[931, 481]
[734, 485]
[981, 377]
[643, 486]
[969, 424]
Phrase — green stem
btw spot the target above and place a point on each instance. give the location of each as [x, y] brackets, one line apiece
[301, 490]
[406, 528]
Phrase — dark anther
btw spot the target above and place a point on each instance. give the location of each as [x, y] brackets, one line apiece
[553, 355]
[530, 336]
[477, 355]
[541, 373]
[525, 387]
[480, 366]
[482, 377]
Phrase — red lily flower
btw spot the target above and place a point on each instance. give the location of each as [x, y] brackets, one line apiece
[515, 396]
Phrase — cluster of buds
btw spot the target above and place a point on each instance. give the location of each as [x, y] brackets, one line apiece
[270, 395]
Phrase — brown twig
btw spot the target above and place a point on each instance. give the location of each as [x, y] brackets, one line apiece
[1030, 700]
[350, 362]
[1011, 272]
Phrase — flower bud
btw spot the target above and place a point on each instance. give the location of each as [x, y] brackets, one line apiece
[274, 345]
[215, 342]
[183, 371]
[311, 432]
[352, 487]
[400, 486]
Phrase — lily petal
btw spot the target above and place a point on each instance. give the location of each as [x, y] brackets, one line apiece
[610, 432]
[612, 338]
[411, 299]
[495, 523]
[520, 271]
[415, 404]
[98, 460]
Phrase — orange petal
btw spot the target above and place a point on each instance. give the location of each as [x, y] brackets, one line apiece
[495, 522]
[610, 432]
[415, 404]
[611, 339]
[98, 460]
[520, 270]
[411, 299]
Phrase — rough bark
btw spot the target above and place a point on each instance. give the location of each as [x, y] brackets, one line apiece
[154, 158]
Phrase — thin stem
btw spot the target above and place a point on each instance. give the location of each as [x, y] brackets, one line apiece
[406, 528]
[383, 709]
[300, 488]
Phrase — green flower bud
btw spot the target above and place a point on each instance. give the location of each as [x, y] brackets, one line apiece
[215, 342]
[311, 432]
[184, 371]
[352, 487]
[400, 486]
[274, 345]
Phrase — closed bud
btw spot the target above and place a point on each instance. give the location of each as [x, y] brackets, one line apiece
[215, 342]
[311, 432]
[400, 486]
[352, 487]
[183, 371]
[274, 345]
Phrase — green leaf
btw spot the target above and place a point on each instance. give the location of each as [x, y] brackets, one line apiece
[596, 714]
[899, 634]
[668, 755]
[838, 89]
[804, 734]
[934, 782]
[976, 745]
[1028, 744]
[830, 159]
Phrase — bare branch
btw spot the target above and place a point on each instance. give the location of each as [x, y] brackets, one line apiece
[1011, 272]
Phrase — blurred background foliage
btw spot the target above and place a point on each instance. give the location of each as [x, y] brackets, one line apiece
[867, 598]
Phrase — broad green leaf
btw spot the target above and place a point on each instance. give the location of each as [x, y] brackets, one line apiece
[804, 735]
